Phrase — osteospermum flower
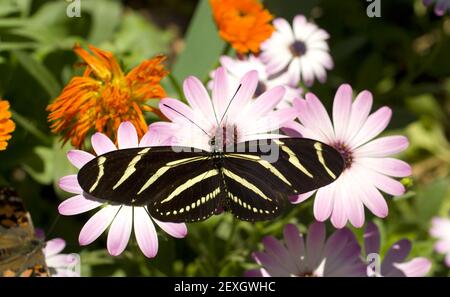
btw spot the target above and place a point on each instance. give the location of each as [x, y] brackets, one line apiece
[60, 264]
[104, 96]
[120, 219]
[7, 126]
[393, 263]
[337, 256]
[242, 23]
[232, 112]
[441, 230]
[441, 6]
[369, 166]
[237, 68]
[302, 51]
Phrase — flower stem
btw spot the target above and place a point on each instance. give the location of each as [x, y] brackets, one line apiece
[176, 86]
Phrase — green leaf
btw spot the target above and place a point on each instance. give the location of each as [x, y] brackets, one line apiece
[62, 166]
[429, 200]
[41, 168]
[39, 72]
[203, 46]
[106, 16]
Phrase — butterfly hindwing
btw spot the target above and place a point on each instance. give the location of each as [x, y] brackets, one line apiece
[197, 198]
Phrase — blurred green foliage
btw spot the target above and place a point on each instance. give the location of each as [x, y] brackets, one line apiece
[401, 57]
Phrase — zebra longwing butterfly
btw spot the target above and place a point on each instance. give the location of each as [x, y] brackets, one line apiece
[180, 184]
[183, 184]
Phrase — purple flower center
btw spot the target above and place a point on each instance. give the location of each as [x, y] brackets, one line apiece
[298, 48]
[345, 152]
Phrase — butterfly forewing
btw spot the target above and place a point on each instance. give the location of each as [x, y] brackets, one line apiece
[139, 175]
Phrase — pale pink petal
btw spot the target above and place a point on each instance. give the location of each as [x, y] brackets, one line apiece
[294, 72]
[360, 111]
[267, 101]
[373, 126]
[387, 166]
[76, 205]
[79, 158]
[298, 25]
[145, 232]
[69, 183]
[177, 230]
[54, 246]
[198, 98]
[102, 144]
[127, 136]
[417, 267]
[220, 90]
[176, 111]
[98, 223]
[300, 198]
[323, 203]
[158, 134]
[342, 107]
[61, 261]
[382, 147]
[339, 214]
[284, 28]
[315, 242]
[244, 95]
[320, 115]
[355, 208]
[120, 231]
[371, 239]
[369, 195]
[273, 121]
[385, 183]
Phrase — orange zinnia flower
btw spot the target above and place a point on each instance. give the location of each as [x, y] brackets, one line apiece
[104, 96]
[243, 23]
[7, 126]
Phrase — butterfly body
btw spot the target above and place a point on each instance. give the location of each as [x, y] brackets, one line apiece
[181, 184]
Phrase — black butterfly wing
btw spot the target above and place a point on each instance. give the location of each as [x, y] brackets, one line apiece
[251, 194]
[138, 176]
[196, 199]
[305, 163]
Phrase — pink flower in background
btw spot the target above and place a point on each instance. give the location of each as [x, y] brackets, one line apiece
[120, 219]
[393, 264]
[301, 50]
[339, 255]
[369, 167]
[441, 6]
[60, 264]
[242, 119]
[441, 230]
[237, 68]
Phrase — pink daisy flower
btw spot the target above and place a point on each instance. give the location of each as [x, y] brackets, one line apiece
[441, 6]
[369, 167]
[339, 255]
[441, 230]
[393, 264]
[237, 68]
[301, 49]
[242, 119]
[120, 219]
[60, 264]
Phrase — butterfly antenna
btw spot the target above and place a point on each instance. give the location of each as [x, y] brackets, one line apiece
[187, 119]
[229, 103]
[52, 227]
